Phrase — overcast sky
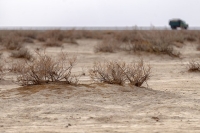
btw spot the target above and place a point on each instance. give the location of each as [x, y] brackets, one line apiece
[97, 12]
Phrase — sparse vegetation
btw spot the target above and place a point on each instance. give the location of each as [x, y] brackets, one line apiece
[107, 45]
[44, 69]
[137, 73]
[119, 72]
[12, 41]
[53, 43]
[152, 41]
[193, 66]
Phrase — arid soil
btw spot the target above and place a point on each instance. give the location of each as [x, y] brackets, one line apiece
[169, 102]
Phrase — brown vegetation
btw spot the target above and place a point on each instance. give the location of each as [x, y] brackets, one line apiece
[53, 43]
[11, 41]
[193, 66]
[108, 44]
[44, 69]
[119, 72]
[152, 41]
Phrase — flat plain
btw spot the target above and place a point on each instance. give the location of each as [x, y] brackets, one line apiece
[169, 102]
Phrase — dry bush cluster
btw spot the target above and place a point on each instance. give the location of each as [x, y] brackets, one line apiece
[120, 73]
[13, 39]
[193, 66]
[44, 69]
[50, 34]
[57, 37]
[152, 41]
[158, 42]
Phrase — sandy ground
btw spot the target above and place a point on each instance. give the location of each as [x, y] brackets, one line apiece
[170, 104]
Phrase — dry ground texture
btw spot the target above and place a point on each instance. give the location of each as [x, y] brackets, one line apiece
[168, 102]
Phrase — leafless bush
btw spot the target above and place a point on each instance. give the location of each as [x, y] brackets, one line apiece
[152, 42]
[107, 45]
[193, 66]
[120, 72]
[22, 53]
[109, 72]
[137, 73]
[46, 69]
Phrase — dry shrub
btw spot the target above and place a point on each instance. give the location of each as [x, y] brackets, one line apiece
[157, 42]
[31, 34]
[56, 35]
[119, 72]
[71, 36]
[41, 37]
[108, 72]
[22, 53]
[12, 41]
[193, 66]
[53, 43]
[108, 44]
[87, 34]
[137, 73]
[46, 69]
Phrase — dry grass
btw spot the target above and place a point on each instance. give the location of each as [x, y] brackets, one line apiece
[120, 73]
[44, 69]
[193, 66]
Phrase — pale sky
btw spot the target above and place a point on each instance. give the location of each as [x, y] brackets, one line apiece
[97, 12]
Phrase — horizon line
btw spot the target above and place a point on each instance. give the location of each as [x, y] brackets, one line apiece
[90, 28]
